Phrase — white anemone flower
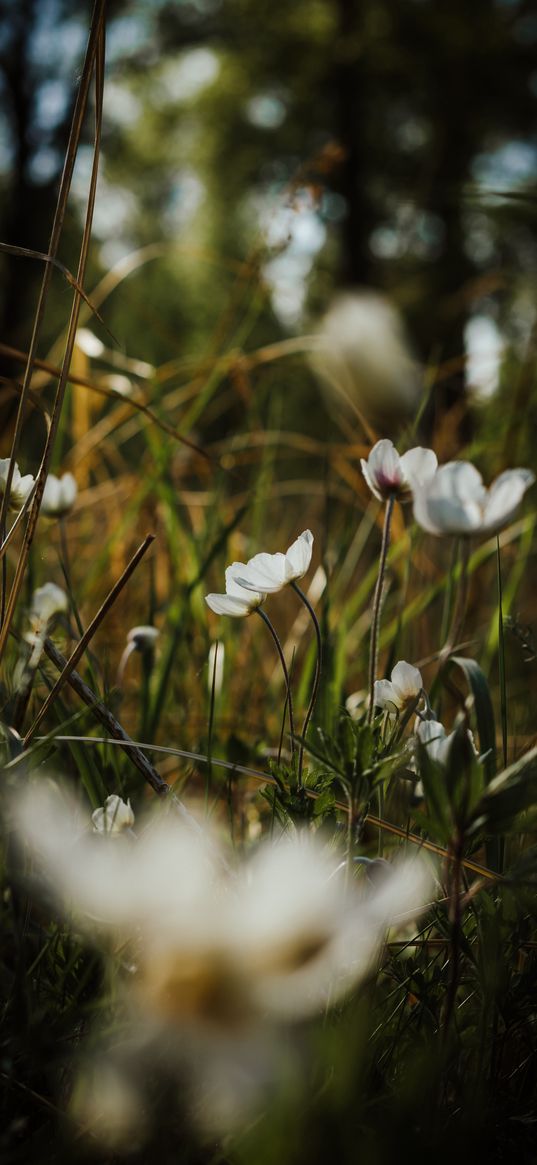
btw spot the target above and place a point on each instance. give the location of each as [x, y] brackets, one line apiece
[21, 487]
[455, 500]
[389, 475]
[142, 639]
[219, 961]
[402, 690]
[59, 495]
[279, 938]
[432, 734]
[48, 602]
[438, 743]
[238, 601]
[269, 573]
[114, 817]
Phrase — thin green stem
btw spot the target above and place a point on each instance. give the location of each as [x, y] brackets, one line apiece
[455, 918]
[212, 701]
[503, 689]
[377, 602]
[316, 677]
[501, 656]
[459, 614]
[279, 649]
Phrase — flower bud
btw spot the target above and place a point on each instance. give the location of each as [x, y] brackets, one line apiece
[114, 817]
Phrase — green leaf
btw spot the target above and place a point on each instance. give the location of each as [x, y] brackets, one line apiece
[509, 794]
[484, 712]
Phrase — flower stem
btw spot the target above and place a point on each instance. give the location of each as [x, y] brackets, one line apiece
[316, 678]
[279, 649]
[455, 919]
[459, 613]
[377, 600]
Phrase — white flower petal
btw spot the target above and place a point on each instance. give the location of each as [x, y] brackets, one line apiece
[386, 696]
[143, 637]
[59, 495]
[451, 502]
[384, 459]
[382, 470]
[419, 466]
[433, 736]
[113, 817]
[266, 573]
[402, 894]
[370, 480]
[406, 680]
[23, 489]
[47, 601]
[234, 588]
[229, 605]
[299, 555]
[504, 497]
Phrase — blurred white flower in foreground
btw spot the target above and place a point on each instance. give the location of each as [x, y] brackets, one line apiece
[237, 601]
[455, 501]
[59, 495]
[218, 958]
[107, 1105]
[269, 573]
[363, 356]
[114, 817]
[387, 474]
[401, 691]
[21, 487]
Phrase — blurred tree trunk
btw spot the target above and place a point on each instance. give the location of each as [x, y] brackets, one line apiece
[350, 83]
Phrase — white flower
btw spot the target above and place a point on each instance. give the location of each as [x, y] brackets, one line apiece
[356, 703]
[402, 690]
[48, 601]
[143, 638]
[305, 941]
[215, 672]
[438, 743]
[21, 487]
[455, 501]
[269, 573]
[387, 474]
[237, 601]
[280, 937]
[362, 355]
[59, 495]
[435, 739]
[114, 817]
[218, 957]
